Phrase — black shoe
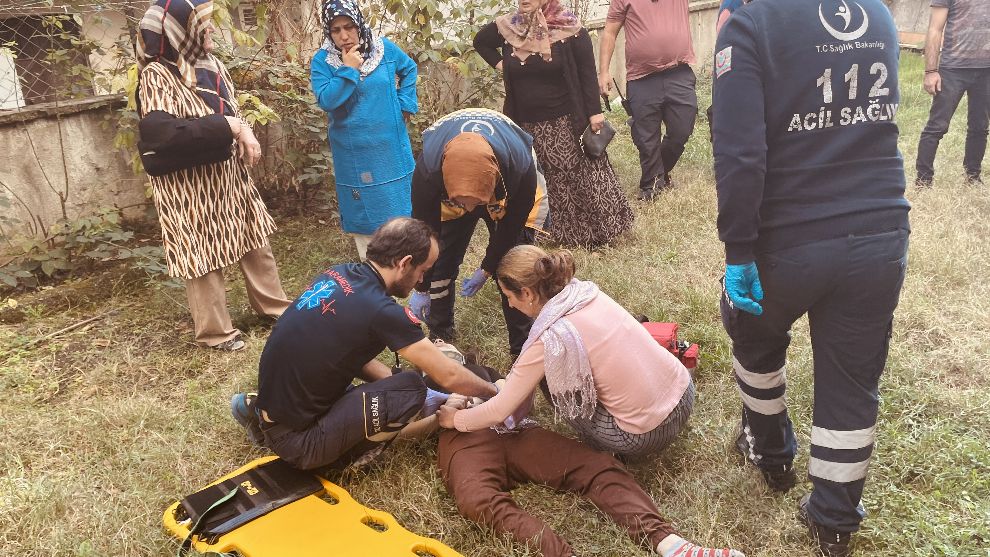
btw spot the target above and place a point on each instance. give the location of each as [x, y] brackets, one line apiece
[974, 181]
[242, 409]
[830, 542]
[779, 478]
[650, 193]
[923, 183]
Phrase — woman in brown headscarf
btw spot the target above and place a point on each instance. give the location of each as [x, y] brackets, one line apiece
[551, 91]
[476, 164]
[211, 214]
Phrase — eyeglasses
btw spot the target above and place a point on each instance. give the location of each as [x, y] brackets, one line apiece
[452, 204]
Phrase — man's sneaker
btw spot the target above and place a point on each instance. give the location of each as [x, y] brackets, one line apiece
[830, 542]
[242, 409]
[450, 351]
[923, 183]
[232, 345]
[779, 478]
[974, 181]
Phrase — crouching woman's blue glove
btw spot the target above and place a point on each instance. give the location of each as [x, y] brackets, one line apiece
[419, 304]
[742, 285]
[471, 286]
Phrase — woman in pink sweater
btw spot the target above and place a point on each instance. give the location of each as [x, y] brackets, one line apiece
[616, 386]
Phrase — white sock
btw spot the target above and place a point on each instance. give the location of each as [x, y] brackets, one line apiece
[668, 545]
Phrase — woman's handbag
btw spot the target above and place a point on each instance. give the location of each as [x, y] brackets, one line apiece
[594, 143]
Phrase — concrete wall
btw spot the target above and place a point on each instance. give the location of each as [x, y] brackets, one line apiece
[911, 16]
[107, 29]
[99, 175]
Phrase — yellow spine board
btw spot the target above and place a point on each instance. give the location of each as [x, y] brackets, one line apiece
[325, 524]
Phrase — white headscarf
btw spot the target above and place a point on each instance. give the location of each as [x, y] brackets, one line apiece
[371, 46]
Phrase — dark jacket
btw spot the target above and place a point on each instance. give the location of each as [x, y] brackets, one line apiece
[513, 149]
[578, 56]
[805, 142]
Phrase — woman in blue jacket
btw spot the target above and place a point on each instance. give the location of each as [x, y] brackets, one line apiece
[367, 86]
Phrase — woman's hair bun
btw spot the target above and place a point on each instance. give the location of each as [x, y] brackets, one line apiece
[528, 266]
[555, 270]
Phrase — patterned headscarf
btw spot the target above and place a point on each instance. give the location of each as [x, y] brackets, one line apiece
[371, 47]
[533, 33]
[172, 34]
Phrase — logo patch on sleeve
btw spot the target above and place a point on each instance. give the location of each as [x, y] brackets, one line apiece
[723, 61]
[412, 317]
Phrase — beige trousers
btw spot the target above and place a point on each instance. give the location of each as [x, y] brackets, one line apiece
[208, 298]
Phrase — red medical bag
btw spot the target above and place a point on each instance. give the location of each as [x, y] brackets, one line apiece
[666, 335]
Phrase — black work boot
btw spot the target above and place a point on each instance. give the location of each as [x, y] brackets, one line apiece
[830, 542]
[779, 478]
[650, 193]
[647, 194]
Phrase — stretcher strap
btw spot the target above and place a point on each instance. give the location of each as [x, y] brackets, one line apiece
[187, 543]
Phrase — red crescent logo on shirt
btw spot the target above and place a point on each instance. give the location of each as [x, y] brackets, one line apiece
[412, 317]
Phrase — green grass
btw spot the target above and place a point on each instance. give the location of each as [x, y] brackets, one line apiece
[101, 428]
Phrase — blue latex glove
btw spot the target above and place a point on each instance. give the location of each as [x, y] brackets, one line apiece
[471, 286]
[742, 285]
[419, 304]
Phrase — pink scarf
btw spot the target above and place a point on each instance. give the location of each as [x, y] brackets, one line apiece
[533, 33]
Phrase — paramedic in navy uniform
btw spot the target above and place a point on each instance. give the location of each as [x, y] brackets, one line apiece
[812, 213]
[476, 164]
[306, 410]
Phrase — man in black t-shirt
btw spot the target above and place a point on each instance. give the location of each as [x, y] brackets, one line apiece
[956, 66]
[306, 409]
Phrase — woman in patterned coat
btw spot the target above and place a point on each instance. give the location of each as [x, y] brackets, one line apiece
[211, 215]
[367, 86]
[551, 90]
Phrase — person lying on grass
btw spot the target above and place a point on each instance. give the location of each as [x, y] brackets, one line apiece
[606, 376]
[480, 468]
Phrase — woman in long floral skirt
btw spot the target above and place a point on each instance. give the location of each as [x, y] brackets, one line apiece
[551, 91]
